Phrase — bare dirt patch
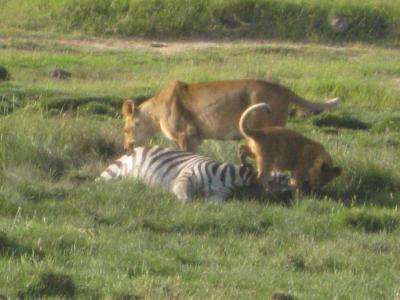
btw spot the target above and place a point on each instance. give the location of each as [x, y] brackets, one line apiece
[168, 47]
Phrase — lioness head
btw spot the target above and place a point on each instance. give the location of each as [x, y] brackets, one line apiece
[138, 127]
[320, 175]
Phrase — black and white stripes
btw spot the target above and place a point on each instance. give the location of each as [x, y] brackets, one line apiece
[183, 173]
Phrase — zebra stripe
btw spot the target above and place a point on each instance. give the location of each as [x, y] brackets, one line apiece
[183, 173]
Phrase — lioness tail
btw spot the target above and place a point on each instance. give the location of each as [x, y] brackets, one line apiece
[316, 106]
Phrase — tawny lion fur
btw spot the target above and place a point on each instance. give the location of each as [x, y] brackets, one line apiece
[283, 149]
[189, 113]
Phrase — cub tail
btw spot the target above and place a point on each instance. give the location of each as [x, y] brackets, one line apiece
[243, 122]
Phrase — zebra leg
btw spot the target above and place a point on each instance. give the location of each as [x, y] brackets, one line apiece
[183, 187]
[220, 194]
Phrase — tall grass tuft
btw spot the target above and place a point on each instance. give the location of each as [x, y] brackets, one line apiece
[288, 19]
[54, 145]
[252, 18]
[50, 284]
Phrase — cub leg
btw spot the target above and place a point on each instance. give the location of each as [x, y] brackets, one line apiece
[244, 152]
[299, 182]
[264, 169]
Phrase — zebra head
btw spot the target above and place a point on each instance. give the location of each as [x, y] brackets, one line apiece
[121, 167]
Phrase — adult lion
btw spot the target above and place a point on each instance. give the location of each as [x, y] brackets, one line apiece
[188, 113]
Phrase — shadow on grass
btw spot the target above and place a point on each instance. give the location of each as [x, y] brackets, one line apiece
[35, 192]
[9, 247]
[369, 185]
[91, 104]
[211, 225]
[258, 194]
[28, 45]
[50, 285]
[19, 94]
[365, 184]
[98, 105]
[56, 102]
[123, 296]
[282, 50]
[340, 120]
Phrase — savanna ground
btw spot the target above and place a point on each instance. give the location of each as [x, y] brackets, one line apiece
[63, 236]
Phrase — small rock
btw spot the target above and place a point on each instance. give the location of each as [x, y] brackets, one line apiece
[158, 45]
[4, 74]
[60, 74]
[340, 24]
[281, 296]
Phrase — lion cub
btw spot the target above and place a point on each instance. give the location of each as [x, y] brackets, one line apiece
[282, 149]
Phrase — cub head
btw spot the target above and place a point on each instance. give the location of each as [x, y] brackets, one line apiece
[321, 174]
[138, 128]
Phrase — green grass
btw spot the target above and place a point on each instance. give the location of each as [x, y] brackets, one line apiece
[370, 21]
[63, 236]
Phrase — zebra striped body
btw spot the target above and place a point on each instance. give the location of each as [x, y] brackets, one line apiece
[182, 173]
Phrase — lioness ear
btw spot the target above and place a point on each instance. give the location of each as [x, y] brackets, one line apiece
[128, 108]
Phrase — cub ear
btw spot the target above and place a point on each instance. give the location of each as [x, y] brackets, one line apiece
[128, 108]
[336, 171]
[324, 166]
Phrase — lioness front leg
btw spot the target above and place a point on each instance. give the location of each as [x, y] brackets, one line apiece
[187, 142]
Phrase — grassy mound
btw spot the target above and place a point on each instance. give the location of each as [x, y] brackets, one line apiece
[50, 284]
[54, 145]
[295, 20]
[368, 220]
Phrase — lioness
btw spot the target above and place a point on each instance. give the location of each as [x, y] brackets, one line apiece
[283, 149]
[188, 113]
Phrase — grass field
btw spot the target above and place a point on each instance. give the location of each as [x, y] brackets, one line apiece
[63, 236]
